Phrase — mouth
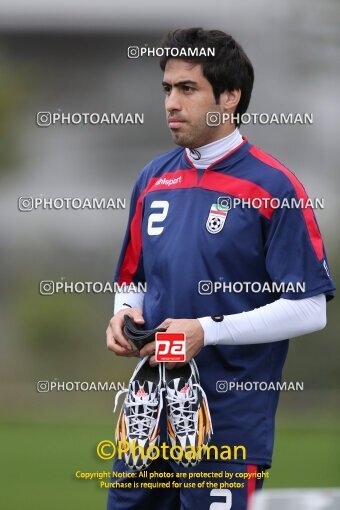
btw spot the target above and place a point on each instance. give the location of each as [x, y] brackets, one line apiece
[174, 123]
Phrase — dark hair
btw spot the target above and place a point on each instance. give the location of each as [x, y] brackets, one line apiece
[230, 68]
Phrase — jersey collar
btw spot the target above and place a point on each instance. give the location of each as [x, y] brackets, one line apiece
[223, 162]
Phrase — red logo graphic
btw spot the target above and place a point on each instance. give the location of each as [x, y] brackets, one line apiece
[141, 393]
[184, 389]
[170, 347]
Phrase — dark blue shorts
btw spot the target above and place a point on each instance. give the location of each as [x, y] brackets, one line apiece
[233, 490]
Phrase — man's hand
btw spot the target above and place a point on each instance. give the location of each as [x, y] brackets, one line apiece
[194, 342]
[115, 338]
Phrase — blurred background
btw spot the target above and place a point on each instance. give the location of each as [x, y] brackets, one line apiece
[71, 57]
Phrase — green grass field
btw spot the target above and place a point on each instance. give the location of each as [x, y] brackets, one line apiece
[39, 463]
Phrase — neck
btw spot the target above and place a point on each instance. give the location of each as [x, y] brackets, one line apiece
[202, 157]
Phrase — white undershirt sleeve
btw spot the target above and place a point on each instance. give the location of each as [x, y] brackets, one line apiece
[282, 319]
[134, 299]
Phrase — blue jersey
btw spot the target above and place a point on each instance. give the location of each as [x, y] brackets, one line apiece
[178, 235]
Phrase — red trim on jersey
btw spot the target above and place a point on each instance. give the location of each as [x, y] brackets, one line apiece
[240, 188]
[308, 214]
[134, 247]
[251, 484]
[186, 179]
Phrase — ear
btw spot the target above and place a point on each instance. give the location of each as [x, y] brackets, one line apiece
[229, 100]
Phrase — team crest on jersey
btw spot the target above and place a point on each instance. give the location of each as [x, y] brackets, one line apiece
[218, 214]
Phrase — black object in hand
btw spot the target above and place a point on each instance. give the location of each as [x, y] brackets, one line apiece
[137, 335]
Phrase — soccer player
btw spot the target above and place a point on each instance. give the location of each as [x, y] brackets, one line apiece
[201, 254]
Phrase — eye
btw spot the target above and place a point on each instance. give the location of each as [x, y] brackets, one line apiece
[166, 89]
[188, 89]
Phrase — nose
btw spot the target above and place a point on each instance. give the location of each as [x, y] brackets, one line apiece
[172, 102]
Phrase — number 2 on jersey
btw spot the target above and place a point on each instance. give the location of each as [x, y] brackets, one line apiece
[157, 217]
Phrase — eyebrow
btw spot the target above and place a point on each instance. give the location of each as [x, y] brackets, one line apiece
[180, 83]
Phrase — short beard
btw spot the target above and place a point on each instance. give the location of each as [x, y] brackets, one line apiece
[193, 140]
[183, 140]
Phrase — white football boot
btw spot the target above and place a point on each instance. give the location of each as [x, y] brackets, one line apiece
[188, 415]
[138, 422]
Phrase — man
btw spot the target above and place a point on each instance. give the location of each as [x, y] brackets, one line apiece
[186, 234]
